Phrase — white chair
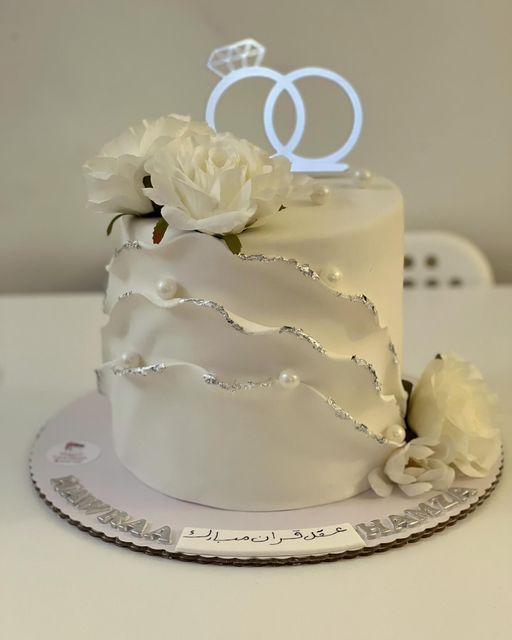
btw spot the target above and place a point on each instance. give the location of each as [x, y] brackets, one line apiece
[441, 259]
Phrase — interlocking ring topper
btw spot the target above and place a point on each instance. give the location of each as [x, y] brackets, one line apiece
[242, 60]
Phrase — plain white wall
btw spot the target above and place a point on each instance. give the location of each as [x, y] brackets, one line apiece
[435, 79]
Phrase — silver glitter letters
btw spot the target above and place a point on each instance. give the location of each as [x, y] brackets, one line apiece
[70, 488]
[461, 493]
[91, 505]
[135, 527]
[411, 518]
[163, 535]
[114, 517]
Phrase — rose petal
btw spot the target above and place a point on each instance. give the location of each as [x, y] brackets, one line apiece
[445, 480]
[379, 483]
[416, 489]
[229, 222]
[395, 466]
[452, 403]
[221, 183]
[114, 177]
[420, 452]
[415, 472]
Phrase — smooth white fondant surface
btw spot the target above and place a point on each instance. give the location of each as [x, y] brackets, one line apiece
[247, 319]
[257, 450]
[359, 230]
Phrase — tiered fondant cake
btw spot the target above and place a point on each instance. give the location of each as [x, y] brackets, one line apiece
[252, 352]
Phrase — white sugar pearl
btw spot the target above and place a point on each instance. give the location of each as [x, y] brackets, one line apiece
[362, 176]
[395, 433]
[320, 194]
[131, 359]
[289, 379]
[167, 288]
[331, 274]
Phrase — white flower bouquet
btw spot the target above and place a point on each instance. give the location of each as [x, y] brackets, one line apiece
[454, 415]
[189, 178]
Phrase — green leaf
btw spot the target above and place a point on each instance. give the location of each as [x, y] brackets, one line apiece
[111, 224]
[233, 243]
[159, 230]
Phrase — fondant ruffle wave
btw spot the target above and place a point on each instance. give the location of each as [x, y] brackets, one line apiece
[271, 292]
[204, 333]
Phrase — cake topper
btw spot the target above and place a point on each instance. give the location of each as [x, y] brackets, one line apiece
[242, 60]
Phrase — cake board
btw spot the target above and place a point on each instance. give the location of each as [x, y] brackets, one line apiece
[76, 472]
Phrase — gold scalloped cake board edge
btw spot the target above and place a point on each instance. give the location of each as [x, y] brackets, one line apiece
[276, 562]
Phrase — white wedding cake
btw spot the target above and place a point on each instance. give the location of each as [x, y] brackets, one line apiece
[253, 345]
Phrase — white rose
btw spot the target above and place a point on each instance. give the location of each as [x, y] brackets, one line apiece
[417, 467]
[216, 184]
[452, 403]
[114, 177]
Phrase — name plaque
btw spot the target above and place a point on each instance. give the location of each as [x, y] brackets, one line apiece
[284, 542]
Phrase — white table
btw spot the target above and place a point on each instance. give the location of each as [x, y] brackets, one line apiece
[57, 582]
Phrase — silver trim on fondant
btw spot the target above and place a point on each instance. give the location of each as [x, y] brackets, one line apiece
[303, 268]
[295, 331]
[210, 304]
[361, 362]
[139, 371]
[249, 385]
[308, 271]
[300, 333]
[211, 378]
[392, 348]
[343, 415]
[286, 329]
[129, 244]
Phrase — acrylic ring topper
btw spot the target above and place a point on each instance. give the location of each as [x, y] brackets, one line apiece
[242, 60]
